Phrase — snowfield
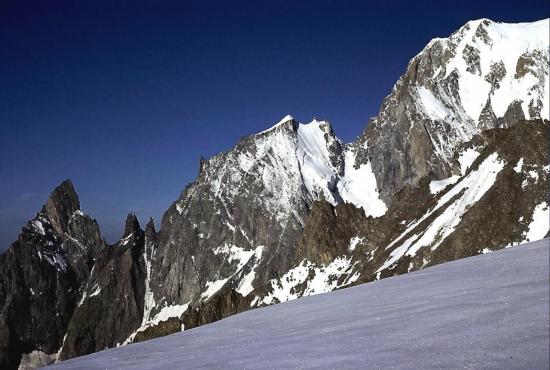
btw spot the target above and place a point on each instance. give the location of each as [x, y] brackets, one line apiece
[488, 311]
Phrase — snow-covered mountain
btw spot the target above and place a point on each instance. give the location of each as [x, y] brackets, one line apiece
[485, 75]
[456, 159]
[498, 199]
[483, 312]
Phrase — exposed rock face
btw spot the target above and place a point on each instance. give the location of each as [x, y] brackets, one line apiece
[41, 274]
[485, 75]
[238, 222]
[61, 205]
[456, 158]
[112, 301]
[499, 200]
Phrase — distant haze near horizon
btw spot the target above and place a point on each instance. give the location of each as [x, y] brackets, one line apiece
[125, 100]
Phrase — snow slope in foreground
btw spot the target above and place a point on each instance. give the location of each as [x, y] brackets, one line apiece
[488, 311]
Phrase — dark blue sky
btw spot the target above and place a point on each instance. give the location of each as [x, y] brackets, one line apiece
[124, 97]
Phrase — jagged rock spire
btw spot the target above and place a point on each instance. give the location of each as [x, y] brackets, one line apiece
[150, 231]
[61, 204]
[132, 225]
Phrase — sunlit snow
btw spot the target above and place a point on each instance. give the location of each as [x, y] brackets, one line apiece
[317, 279]
[540, 224]
[359, 187]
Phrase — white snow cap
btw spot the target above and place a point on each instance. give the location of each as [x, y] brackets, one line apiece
[493, 43]
[285, 119]
[319, 166]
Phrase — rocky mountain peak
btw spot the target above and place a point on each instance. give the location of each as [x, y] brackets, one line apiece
[485, 75]
[150, 231]
[287, 123]
[62, 203]
[131, 225]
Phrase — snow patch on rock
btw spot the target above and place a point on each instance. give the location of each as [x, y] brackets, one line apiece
[519, 166]
[353, 242]
[317, 170]
[434, 108]
[466, 158]
[245, 286]
[166, 313]
[242, 257]
[436, 186]
[148, 299]
[473, 186]
[325, 278]
[359, 187]
[540, 223]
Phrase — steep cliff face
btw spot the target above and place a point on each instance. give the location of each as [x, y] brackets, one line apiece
[499, 200]
[237, 224]
[485, 75]
[41, 275]
[112, 299]
[456, 158]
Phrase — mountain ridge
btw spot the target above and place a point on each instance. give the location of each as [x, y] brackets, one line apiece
[292, 211]
[425, 315]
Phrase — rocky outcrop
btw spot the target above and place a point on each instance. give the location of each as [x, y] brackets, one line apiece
[41, 274]
[485, 75]
[112, 303]
[62, 203]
